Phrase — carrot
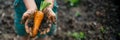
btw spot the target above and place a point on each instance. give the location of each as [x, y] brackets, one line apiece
[38, 17]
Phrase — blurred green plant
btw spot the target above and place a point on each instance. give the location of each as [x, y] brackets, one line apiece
[82, 35]
[77, 35]
[102, 29]
[72, 2]
[77, 14]
[119, 34]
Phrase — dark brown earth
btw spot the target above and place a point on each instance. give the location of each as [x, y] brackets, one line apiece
[98, 19]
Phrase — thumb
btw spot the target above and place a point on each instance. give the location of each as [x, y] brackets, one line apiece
[24, 18]
[54, 19]
[26, 27]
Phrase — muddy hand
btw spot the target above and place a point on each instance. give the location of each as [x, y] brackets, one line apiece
[45, 30]
[27, 16]
[51, 15]
[49, 19]
[27, 28]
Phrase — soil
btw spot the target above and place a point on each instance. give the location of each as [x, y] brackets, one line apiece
[93, 16]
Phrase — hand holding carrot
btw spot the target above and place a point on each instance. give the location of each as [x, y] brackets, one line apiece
[51, 15]
[39, 16]
[26, 17]
[49, 19]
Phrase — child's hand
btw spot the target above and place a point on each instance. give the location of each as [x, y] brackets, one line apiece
[27, 14]
[49, 19]
[51, 15]
[26, 17]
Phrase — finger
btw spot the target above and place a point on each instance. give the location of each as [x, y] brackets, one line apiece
[48, 29]
[49, 20]
[44, 32]
[53, 17]
[54, 20]
[41, 32]
[49, 25]
[30, 32]
[24, 18]
[45, 11]
[26, 26]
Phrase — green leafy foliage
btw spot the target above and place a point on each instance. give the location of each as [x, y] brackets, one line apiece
[43, 5]
[82, 35]
[73, 2]
[75, 35]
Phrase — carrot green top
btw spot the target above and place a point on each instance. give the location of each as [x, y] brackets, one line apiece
[43, 5]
